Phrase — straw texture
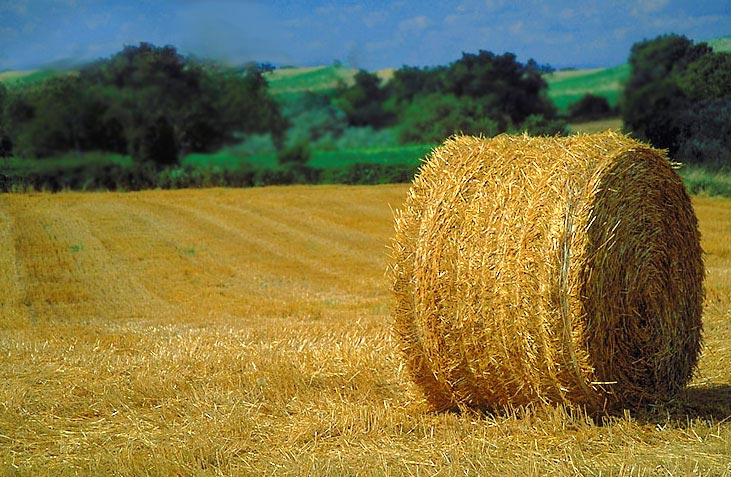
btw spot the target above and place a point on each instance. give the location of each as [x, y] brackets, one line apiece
[547, 269]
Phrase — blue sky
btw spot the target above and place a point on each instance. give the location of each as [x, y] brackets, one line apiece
[367, 34]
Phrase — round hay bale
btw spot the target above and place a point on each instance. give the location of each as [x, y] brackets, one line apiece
[547, 269]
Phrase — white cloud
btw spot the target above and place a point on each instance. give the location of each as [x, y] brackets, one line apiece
[98, 20]
[568, 14]
[416, 23]
[671, 23]
[516, 27]
[647, 7]
[18, 7]
[373, 19]
[494, 4]
[620, 33]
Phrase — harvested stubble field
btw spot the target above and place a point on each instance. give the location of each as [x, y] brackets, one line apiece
[246, 332]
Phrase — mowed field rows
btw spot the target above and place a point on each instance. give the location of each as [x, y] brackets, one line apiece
[246, 332]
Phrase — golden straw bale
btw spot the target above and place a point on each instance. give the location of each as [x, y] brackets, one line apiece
[547, 269]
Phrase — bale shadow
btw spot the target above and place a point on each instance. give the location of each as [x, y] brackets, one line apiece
[709, 402]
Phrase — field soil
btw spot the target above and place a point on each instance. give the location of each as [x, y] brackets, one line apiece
[246, 332]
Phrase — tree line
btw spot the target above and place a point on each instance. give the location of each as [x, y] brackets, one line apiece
[481, 93]
[148, 102]
[156, 106]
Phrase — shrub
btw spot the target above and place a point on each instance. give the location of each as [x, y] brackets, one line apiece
[705, 133]
[365, 137]
[589, 108]
[291, 173]
[538, 125]
[370, 173]
[296, 154]
[433, 118]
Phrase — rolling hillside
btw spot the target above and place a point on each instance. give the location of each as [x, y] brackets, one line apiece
[12, 78]
[568, 86]
[565, 86]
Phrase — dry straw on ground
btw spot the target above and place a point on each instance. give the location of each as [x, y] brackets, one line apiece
[548, 270]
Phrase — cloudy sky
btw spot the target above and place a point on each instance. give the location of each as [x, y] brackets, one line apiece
[367, 34]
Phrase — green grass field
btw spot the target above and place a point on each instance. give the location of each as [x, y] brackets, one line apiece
[323, 159]
[567, 87]
[18, 77]
[598, 125]
[722, 44]
[284, 82]
[228, 159]
[317, 79]
[407, 154]
[705, 183]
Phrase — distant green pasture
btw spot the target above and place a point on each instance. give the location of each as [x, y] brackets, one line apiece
[567, 87]
[18, 77]
[323, 159]
[599, 125]
[226, 159]
[721, 45]
[318, 79]
[407, 154]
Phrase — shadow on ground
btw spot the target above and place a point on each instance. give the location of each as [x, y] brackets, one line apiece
[710, 402]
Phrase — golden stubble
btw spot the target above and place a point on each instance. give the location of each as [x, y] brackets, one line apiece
[246, 332]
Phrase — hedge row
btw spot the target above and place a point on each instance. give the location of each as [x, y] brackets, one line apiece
[114, 177]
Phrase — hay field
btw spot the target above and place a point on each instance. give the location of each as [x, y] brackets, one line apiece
[245, 332]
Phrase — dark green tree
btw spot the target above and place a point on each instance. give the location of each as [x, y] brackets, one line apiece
[502, 83]
[652, 96]
[709, 77]
[18, 112]
[589, 108]
[363, 102]
[59, 110]
[479, 93]
[158, 144]
[432, 118]
[6, 145]
[156, 94]
[678, 97]
[539, 125]
[313, 117]
[409, 81]
[297, 154]
[704, 133]
[146, 101]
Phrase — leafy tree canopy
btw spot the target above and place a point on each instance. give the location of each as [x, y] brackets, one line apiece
[150, 102]
[590, 107]
[678, 97]
[480, 93]
[363, 102]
